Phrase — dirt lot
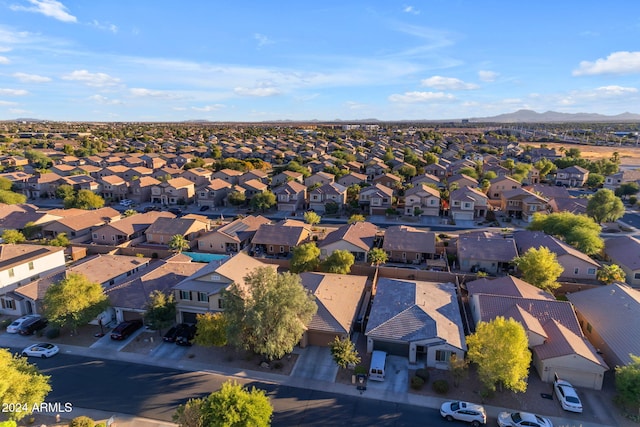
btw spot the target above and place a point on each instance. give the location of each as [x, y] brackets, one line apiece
[629, 156]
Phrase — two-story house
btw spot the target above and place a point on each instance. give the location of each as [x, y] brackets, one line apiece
[140, 189]
[199, 176]
[214, 193]
[522, 204]
[280, 239]
[113, 187]
[173, 191]
[291, 196]
[163, 229]
[467, 203]
[327, 193]
[422, 200]
[573, 176]
[232, 237]
[408, 244]
[376, 199]
[500, 184]
[127, 229]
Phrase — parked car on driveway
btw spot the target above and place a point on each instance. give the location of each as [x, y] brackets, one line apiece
[186, 335]
[204, 208]
[30, 326]
[125, 329]
[464, 411]
[522, 419]
[42, 350]
[174, 332]
[14, 327]
[567, 396]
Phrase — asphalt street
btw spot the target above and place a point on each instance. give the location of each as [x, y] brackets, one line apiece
[155, 392]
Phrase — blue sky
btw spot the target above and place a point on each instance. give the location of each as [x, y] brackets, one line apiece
[161, 60]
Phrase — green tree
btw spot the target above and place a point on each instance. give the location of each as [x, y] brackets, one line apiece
[61, 240]
[312, 218]
[430, 158]
[580, 231]
[407, 171]
[5, 184]
[459, 368]
[305, 258]
[84, 199]
[74, 301]
[595, 180]
[160, 310]
[82, 421]
[269, 314]
[129, 212]
[611, 273]
[237, 406]
[545, 166]
[263, 201]
[13, 236]
[236, 198]
[540, 268]
[211, 329]
[628, 382]
[605, 206]
[500, 350]
[340, 262]
[344, 352]
[377, 256]
[356, 218]
[189, 414]
[65, 190]
[22, 384]
[11, 198]
[469, 171]
[178, 243]
[627, 189]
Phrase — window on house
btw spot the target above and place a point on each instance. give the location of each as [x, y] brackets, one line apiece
[281, 249]
[8, 304]
[203, 297]
[636, 276]
[12, 273]
[271, 248]
[185, 295]
[591, 271]
[95, 235]
[576, 270]
[220, 303]
[443, 355]
[215, 277]
[589, 328]
[111, 282]
[31, 267]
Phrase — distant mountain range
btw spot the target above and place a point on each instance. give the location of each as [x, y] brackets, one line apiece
[530, 116]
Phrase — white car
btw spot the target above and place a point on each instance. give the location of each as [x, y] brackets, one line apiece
[43, 350]
[464, 411]
[15, 325]
[567, 396]
[126, 202]
[522, 419]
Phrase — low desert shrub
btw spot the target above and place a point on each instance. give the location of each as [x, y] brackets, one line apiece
[52, 333]
[416, 383]
[424, 374]
[82, 421]
[440, 386]
[360, 370]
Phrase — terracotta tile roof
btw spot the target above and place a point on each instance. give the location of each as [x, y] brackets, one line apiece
[534, 239]
[486, 246]
[564, 342]
[409, 239]
[103, 268]
[280, 234]
[359, 234]
[15, 254]
[507, 286]
[624, 250]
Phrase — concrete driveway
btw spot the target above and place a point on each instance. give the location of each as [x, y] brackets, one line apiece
[396, 378]
[315, 363]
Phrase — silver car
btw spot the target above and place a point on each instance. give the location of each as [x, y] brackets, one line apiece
[567, 396]
[464, 411]
[14, 327]
[522, 419]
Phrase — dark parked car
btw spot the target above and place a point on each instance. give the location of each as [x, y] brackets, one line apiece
[204, 208]
[186, 335]
[174, 332]
[32, 325]
[175, 211]
[124, 329]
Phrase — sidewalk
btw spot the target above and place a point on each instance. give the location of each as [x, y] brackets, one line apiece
[288, 380]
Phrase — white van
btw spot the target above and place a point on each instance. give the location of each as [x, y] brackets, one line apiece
[378, 365]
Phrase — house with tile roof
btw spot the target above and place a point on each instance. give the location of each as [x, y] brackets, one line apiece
[214, 193]
[576, 265]
[140, 189]
[21, 264]
[376, 199]
[612, 182]
[485, 251]
[327, 193]
[556, 341]
[163, 229]
[173, 191]
[113, 187]
[199, 176]
[339, 298]
[202, 291]
[16, 217]
[467, 204]
[126, 229]
[108, 269]
[418, 320]
[357, 238]
[610, 319]
[407, 244]
[290, 196]
[522, 204]
[78, 224]
[352, 178]
[500, 184]
[422, 200]
[280, 239]
[625, 252]
[129, 298]
[572, 176]
[232, 237]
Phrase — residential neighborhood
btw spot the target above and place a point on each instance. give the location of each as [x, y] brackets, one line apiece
[432, 249]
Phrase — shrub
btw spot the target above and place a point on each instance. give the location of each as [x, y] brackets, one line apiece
[101, 425]
[416, 383]
[360, 370]
[52, 333]
[4, 323]
[440, 386]
[424, 374]
[278, 365]
[82, 421]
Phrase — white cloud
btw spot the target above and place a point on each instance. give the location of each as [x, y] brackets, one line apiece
[7, 103]
[149, 93]
[13, 92]
[616, 90]
[92, 79]
[616, 63]
[487, 76]
[206, 108]
[18, 111]
[104, 100]
[4, 60]
[448, 83]
[262, 39]
[31, 78]
[412, 10]
[257, 91]
[413, 97]
[51, 8]
[104, 26]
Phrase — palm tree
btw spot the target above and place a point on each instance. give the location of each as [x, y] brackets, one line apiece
[178, 243]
